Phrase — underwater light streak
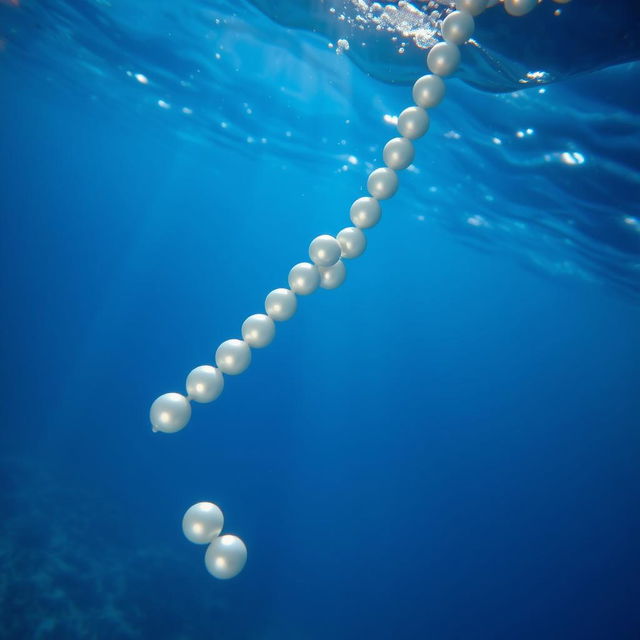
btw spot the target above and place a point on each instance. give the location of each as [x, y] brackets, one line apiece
[202, 523]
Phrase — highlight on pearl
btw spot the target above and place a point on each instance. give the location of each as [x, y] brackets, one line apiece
[413, 122]
[519, 8]
[205, 383]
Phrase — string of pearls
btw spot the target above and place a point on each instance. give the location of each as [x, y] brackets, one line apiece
[172, 411]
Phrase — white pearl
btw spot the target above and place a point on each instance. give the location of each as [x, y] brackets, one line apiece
[281, 304]
[458, 27]
[382, 183]
[428, 91]
[443, 58]
[352, 241]
[205, 383]
[324, 251]
[398, 153]
[413, 122]
[474, 7]
[365, 213]
[225, 557]
[258, 330]
[170, 413]
[304, 278]
[519, 7]
[202, 522]
[332, 277]
[233, 357]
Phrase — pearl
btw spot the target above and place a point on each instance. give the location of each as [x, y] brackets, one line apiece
[428, 91]
[324, 251]
[281, 304]
[304, 278]
[365, 213]
[225, 557]
[458, 27]
[202, 522]
[398, 153]
[233, 357]
[382, 183]
[170, 413]
[474, 7]
[352, 241]
[205, 383]
[258, 330]
[443, 58]
[332, 277]
[413, 122]
[519, 7]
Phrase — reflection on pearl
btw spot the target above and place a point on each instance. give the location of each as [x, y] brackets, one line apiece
[205, 383]
[365, 212]
[202, 522]
[258, 330]
[324, 251]
[428, 91]
[519, 7]
[225, 557]
[443, 58]
[352, 241]
[233, 357]
[304, 278]
[382, 183]
[398, 153]
[413, 122]
[458, 27]
[170, 413]
[281, 304]
[332, 277]
[474, 7]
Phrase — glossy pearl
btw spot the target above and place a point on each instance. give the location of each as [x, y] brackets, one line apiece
[443, 58]
[324, 251]
[382, 183]
[474, 7]
[225, 557]
[458, 27]
[258, 330]
[170, 413]
[233, 357]
[413, 122]
[428, 91]
[281, 304]
[332, 277]
[519, 7]
[304, 278]
[205, 383]
[352, 241]
[202, 522]
[398, 153]
[365, 212]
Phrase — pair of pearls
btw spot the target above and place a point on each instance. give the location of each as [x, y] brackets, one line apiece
[226, 555]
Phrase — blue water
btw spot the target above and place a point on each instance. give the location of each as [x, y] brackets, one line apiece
[446, 447]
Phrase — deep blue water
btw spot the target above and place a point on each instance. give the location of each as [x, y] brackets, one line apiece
[446, 447]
